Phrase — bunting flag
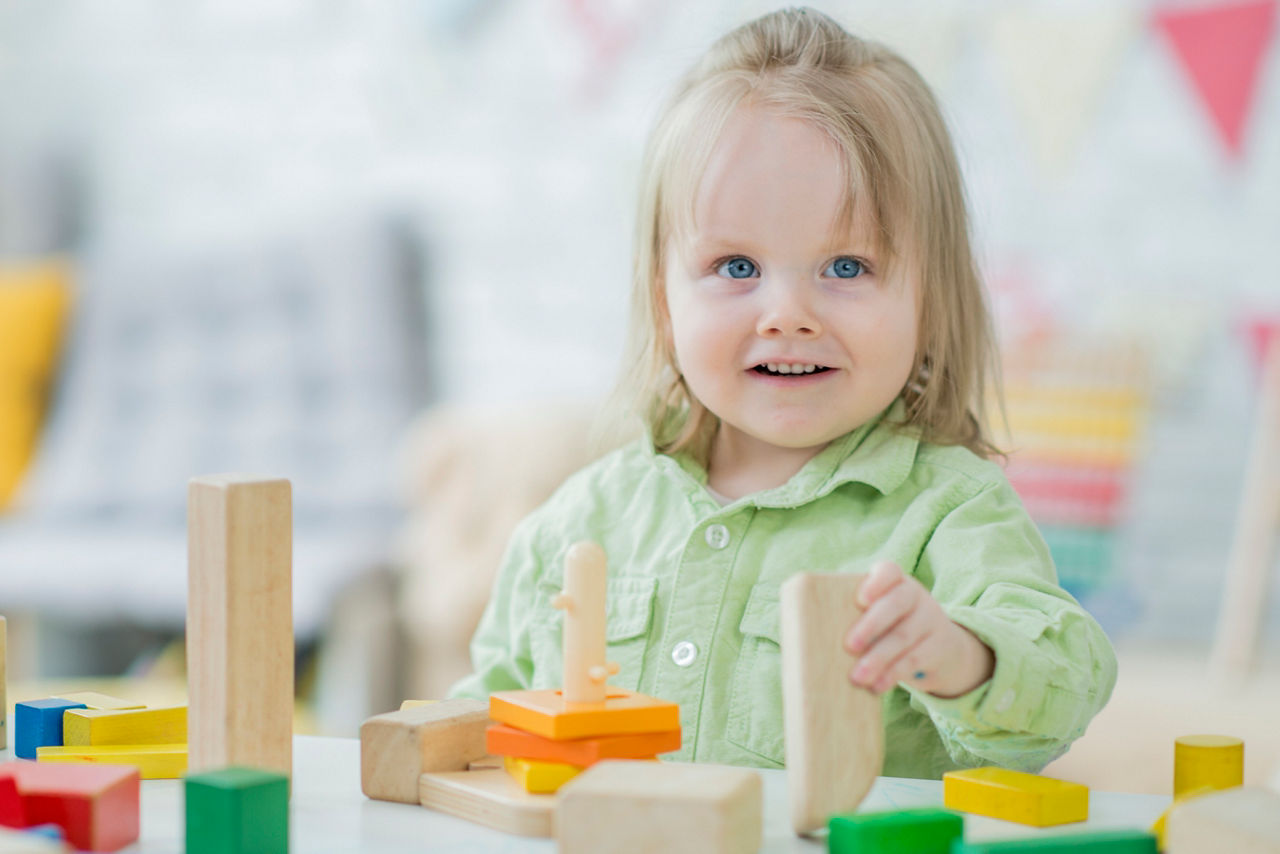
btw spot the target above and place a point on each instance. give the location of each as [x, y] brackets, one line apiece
[1221, 47]
[1261, 334]
[1056, 65]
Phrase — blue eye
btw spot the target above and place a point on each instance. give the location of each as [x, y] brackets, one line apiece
[737, 268]
[844, 268]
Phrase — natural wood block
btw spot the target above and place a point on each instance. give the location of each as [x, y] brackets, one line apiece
[1015, 796]
[413, 704]
[240, 653]
[490, 798]
[38, 723]
[915, 831]
[1243, 820]
[153, 761]
[95, 805]
[96, 701]
[237, 811]
[1207, 761]
[86, 727]
[14, 842]
[620, 805]
[398, 747]
[539, 777]
[504, 740]
[546, 713]
[1099, 842]
[834, 738]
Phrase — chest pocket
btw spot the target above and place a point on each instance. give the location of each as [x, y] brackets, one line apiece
[628, 616]
[755, 709]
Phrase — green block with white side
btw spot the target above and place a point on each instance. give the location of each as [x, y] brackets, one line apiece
[237, 811]
[1100, 842]
[914, 831]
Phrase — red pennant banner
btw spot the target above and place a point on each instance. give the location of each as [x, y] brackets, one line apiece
[1221, 47]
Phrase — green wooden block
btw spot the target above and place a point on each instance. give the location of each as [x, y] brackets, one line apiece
[917, 831]
[1099, 842]
[237, 811]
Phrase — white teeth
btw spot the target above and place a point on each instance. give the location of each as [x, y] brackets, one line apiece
[779, 368]
[772, 367]
[808, 369]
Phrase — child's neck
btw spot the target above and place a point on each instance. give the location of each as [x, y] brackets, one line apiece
[739, 464]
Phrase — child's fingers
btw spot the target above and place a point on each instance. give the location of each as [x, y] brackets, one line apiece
[878, 619]
[882, 578]
[875, 667]
[916, 666]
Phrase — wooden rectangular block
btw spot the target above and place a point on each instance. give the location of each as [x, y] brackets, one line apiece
[237, 811]
[94, 700]
[1244, 820]
[240, 653]
[503, 740]
[620, 805]
[398, 747]
[915, 831]
[38, 723]
[88, 727]
[833, 735]
[96, 805]
[153, 761]
[538, 777]
[1099, 842]
[489, 797]
[546, 713]
[1015, 796]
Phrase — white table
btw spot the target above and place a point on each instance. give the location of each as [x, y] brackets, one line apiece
[330, 814]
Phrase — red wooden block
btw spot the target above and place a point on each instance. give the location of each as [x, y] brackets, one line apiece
[11, 812]
[95, 805]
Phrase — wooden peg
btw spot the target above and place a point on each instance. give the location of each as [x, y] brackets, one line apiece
[583, 603]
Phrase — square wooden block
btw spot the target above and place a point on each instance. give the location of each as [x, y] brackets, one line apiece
[399, 747]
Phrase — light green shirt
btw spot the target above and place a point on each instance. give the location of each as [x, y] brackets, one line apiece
[693, 597]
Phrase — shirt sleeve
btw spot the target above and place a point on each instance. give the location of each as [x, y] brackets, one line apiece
[990, 569]
[500, 649]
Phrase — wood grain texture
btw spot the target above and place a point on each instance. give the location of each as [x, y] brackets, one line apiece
[834, 738]
[240, 651]
[398, 747]
[1244, 820]
[489, 797]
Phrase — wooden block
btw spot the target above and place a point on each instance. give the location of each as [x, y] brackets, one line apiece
[490, 798]
[1160, 825]
[504, 740]
[1243, 820]
[1207, 761]
[398, 747]
[240, 654]
[237, 811]
[1099, 842]
[11, 812]
[95, 805]
[153, 761]
[4, 700]
[15, 842]
[548, 714]
[620, 806]
[1015, 796]
[916, 831]
[38, 723]
[413, 704]
[94, 700]
[834, 739]
[583, 603]
[86, 727]
[538, 777]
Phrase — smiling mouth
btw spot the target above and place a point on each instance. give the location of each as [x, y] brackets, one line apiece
[771, 369]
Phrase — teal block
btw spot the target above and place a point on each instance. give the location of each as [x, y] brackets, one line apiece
[916, 831]
[1099, 842]
[237, 811]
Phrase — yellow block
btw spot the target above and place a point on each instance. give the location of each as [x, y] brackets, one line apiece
[413, 704]
[84, 727]
[1015, 796]
[154, 761]
[100, 702]
[1208, 761]
[540, 778]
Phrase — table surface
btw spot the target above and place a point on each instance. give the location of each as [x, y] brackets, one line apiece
[329, 813]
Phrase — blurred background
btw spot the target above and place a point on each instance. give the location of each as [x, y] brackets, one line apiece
[383, 250]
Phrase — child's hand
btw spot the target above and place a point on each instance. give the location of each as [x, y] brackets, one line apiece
[904, 636]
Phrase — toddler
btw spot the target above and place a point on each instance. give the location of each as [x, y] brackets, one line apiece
[810, 354]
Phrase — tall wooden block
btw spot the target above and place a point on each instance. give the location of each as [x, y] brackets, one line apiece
[85, 727]
[916, 831]
[1207, 761]
[4, 701]
[1243, 820]
[398, 747]
[237, 811]
[240, 654]
[95, 805]
[1015, 796]
[621, 805]
[1100, 842]
[38, 723]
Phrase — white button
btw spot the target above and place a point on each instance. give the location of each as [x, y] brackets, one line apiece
[684, 654]
[717, 536]
[1005, 702]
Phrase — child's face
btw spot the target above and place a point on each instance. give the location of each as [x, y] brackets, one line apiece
[764, 281]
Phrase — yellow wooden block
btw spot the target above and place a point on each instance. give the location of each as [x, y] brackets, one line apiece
[101, 702]
[85, 727]
[546, 713]
[1015, 796]
[154, 761]
[538, 777]
[1207, 761]
[413, 704]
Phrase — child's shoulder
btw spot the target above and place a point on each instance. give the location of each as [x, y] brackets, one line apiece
[609, 479]
[959, 464]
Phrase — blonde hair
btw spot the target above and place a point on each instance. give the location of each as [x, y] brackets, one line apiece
[900, 165]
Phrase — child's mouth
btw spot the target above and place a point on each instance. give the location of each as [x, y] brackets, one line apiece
[772, 369]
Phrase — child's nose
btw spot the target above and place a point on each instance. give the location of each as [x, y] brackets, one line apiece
[787, 311]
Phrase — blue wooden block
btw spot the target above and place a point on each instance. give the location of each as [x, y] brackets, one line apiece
[38, 723]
